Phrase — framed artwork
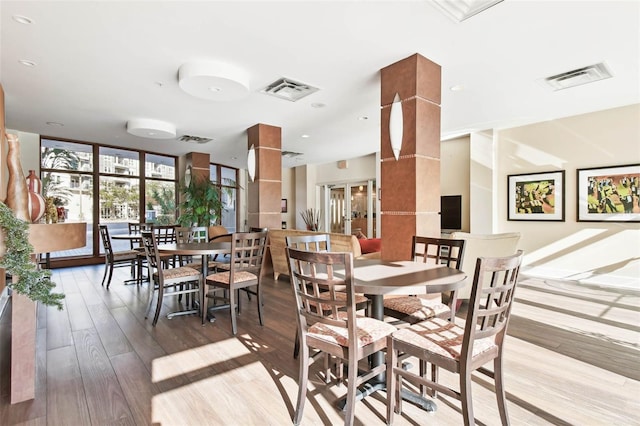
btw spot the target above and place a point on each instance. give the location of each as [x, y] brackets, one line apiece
[536, 196]
[283, 205]
[609, 194]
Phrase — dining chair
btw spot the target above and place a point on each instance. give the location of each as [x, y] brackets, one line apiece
[460, 349]
[136, 244]
[166, 280]
[329, 325]
[416, 308]
[245, 271]
[486, 245]
[115, 258]
[319, 242]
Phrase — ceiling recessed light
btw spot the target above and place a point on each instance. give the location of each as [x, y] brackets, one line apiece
[456, 88]
[27, 63]
[215, 89]
[304, 136]
[22, 19]
[317, 105]
[363, 118]
[54, 123]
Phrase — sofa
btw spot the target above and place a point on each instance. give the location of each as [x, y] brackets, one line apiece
[277, 258]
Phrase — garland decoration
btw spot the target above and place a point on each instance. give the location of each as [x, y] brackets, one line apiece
[34, 283]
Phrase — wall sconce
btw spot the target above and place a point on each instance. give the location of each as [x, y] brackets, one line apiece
[396, 126]
[251, 163]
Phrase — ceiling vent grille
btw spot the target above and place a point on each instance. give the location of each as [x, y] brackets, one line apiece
[290, 90]
[460, 10]
[194, 139]
[578, 77]
[291, 154]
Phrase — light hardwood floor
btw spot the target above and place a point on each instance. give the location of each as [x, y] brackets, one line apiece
[571, 359]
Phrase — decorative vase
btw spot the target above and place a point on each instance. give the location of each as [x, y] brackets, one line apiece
[17, 190]
[34, 183]
[37, 206]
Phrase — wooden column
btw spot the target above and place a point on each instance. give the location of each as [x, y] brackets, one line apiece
[410, 186]
[265, 192]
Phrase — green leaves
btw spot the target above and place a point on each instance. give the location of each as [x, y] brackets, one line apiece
[34, 283]
[201, 205]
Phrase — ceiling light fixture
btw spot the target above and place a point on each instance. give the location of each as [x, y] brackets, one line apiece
[54, 123]
[214, 81]
[456, 88]
[22, 19]
[396, 126]
[27, 63]
[149, 128]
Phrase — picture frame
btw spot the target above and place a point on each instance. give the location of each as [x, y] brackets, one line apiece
[608, 194]
[536, 196]
[283, 205]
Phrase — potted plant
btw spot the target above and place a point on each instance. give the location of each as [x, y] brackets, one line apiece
[201, 204]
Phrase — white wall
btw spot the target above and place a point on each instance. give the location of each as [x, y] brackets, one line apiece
[455, 173]
[599, 253]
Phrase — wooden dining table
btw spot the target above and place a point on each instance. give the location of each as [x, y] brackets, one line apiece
[377, 278]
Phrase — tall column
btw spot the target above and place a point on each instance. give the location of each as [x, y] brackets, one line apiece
[410, 186]
[265, 192]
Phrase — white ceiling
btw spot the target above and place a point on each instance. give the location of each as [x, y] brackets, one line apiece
[102, 63]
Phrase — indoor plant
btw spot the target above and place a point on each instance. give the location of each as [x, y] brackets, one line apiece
[201, 204]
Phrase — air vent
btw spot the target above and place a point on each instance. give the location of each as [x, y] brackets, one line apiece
[194, 139]
[289, 90]
[578, 77]
[291, 154]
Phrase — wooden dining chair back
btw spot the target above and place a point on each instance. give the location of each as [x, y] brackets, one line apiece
[245, 271]
[115, 258]
[314, 242]
[169, 281]
[329, 325]
[461, 349]
[413, 309]
[320, 243]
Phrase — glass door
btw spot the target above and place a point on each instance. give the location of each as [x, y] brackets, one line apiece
[352, 208]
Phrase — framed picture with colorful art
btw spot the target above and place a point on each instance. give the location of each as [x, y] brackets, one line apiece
[536, 196]
[609, 194]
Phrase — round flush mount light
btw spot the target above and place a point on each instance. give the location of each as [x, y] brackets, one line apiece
[153, 129]
[215, 81]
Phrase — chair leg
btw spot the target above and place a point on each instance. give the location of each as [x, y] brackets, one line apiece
[303, 375]
[260, 303]
[110, 275]
[158, 305]
[502, 403]
[203, 301]
[465, 397]
[351, 389]
[106, 268]
[232, 306]
[392, 360]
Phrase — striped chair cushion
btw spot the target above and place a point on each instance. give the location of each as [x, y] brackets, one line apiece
[441, 337]
[125, 255]
[417, 308]
[179, 272]
[239, 277]
[369, 330]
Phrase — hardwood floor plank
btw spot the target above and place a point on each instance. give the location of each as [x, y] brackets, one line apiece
[136, 384]
[105, 399]
[58, 327]
[113, 340]
[66, 400]
[79, 317]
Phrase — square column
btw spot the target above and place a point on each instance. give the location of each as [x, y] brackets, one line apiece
[410, 186]
[265, 192]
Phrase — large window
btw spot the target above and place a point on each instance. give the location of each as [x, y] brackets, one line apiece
[127, 193]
